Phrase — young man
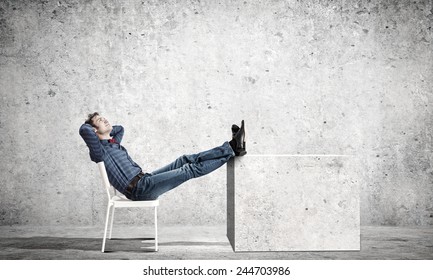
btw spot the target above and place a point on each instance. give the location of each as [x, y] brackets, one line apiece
[103, 141]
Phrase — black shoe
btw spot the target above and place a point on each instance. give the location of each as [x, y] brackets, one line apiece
[235, 130]
[239, 139]
[238, 152]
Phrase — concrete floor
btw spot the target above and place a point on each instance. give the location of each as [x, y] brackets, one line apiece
[193, 242]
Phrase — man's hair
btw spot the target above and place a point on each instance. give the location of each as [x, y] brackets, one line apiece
[90, 117]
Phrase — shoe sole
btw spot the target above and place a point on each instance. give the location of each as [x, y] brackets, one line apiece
[242, 130]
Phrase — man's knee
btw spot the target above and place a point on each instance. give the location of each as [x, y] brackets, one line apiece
[189, 158]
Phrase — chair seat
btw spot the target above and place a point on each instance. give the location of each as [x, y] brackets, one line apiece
[120, 201]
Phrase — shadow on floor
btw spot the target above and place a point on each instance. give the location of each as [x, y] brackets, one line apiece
[93, 244]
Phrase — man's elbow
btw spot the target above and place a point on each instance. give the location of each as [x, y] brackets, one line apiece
[96, 158]
[85, 129]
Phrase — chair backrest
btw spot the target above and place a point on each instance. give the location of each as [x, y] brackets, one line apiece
[104, 177]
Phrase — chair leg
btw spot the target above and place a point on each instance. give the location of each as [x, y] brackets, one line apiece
[156, 229]
[106, 226]
[111, 226]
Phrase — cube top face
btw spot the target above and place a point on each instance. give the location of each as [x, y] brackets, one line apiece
[293, 203]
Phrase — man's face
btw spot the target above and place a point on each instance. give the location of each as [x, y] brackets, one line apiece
[102, 125]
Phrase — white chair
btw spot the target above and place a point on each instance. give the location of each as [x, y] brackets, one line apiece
[118, 200]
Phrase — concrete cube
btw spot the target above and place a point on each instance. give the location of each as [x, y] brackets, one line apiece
[293, 203]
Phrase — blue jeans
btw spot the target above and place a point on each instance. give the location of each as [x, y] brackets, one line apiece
[186, 167]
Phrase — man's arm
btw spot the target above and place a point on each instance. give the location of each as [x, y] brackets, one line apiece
[117, 133]
[89, 136]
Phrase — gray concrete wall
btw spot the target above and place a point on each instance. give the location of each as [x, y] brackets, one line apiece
[308, 77]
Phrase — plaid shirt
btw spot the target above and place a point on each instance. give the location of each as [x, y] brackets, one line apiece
[121, 169]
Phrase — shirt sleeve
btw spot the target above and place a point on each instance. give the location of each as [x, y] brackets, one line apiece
[96, 150]
[117, 133]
